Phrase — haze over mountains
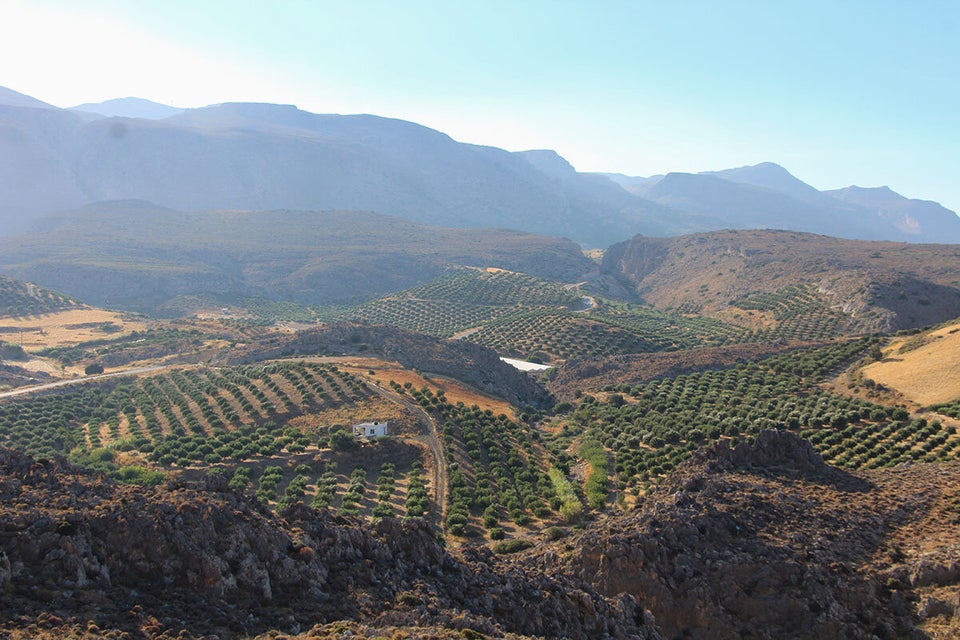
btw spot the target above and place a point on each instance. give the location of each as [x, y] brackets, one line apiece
[263, 156]
[129, 108]
[136, 255]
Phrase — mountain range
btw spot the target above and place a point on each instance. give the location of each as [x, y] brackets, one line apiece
[250, 156]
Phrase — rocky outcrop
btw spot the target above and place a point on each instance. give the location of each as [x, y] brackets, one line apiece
[772, 449]
[201, 559]
[766, 541]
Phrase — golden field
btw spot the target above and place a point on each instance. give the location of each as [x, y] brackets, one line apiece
[924, 368]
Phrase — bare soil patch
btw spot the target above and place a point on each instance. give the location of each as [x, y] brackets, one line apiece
[749, 318]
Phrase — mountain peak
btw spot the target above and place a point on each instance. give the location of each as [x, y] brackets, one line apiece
[130, 107]
[549, 162]
[770, 175]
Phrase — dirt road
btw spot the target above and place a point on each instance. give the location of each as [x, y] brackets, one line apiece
[431, 439]
[65, 383]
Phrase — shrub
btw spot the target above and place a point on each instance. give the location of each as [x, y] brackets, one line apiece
[571, 509]
[512, 546]
[555, 533]
[140, 476]
[340, 440]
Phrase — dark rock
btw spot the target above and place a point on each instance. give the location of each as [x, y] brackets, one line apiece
[185, 558]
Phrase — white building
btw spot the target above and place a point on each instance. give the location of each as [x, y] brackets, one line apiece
[370, 429]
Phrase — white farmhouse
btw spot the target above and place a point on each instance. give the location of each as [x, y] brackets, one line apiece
[370, 429]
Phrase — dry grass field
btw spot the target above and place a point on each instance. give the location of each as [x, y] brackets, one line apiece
[372, 409]
[65, 328]
[924, 368]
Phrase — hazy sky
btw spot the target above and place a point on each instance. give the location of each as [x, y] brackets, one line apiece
[839, 92]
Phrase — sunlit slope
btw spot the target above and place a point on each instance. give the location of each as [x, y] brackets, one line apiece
[749, 276]
[925, 368]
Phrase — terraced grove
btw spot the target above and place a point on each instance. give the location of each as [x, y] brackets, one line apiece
[24, 299]
[234, 422]
[497, 469]
[649, 428]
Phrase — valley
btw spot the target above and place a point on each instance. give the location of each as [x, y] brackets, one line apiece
[268, 373]
[513, 469]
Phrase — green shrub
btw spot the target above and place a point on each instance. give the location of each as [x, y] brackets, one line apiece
[571, 509]
[138, 475]
[555, 533]
[512, 546]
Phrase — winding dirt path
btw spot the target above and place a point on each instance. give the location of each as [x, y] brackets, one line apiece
[431, 439]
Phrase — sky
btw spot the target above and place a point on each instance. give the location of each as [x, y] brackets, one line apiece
[839, 92]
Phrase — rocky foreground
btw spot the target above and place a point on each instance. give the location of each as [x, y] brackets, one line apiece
[84, 557]
[760, 541]
[766, 541]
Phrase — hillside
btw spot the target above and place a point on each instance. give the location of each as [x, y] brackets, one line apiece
[473, 364]
[766, 541]
[585, 374]
[923, 369]
[751, 276]
[633, 483]
[837, 554]
[139, 256]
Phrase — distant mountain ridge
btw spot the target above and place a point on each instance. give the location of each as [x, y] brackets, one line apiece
[767, 196]
[12, 98]
[252, 156]
[129, 108]
[770, 176]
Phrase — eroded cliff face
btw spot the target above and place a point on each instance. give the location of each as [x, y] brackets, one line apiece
[766, 541]
[197, 559]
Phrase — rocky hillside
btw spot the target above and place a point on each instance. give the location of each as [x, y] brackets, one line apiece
[476, 365]
[766, 541]
[138, 256]
[878, 286]
[758, 541]
[80, 553]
